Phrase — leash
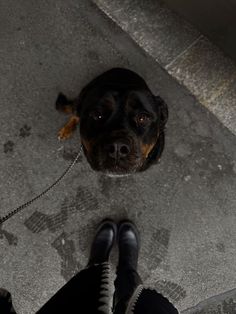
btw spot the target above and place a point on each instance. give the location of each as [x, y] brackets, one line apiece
[19, 208]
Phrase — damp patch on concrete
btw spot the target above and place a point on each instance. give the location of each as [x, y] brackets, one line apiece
[171, 290]
[8, 147]
[157, 248]
[66, 250]
[38, 222]
[25, 131]
[10, 237]
[83, 200]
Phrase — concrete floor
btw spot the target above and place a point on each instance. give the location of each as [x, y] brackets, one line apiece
[187, 55]
[184, 207]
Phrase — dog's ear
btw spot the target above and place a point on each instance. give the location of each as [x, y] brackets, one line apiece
[65, 105]
[164, 110]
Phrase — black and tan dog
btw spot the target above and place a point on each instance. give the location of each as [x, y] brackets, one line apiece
[121, 122]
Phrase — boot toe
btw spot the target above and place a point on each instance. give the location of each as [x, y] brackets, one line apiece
[128, 233]
[103, 242]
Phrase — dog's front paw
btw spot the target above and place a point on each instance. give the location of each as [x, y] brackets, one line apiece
[64, 133]
[68, 129]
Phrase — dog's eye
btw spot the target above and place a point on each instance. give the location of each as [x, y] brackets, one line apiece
[142, 118]
[97, 115]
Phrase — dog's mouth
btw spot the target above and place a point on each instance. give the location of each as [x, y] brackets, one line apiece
[119, 170]
[116, 175]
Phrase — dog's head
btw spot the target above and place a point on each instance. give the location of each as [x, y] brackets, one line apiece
[122, 132]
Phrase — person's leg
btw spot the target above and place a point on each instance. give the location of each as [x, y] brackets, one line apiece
[127, 279]
[88, 291]
[6, 306]
[130, 295]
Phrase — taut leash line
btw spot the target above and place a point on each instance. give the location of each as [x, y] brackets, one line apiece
[19, 208]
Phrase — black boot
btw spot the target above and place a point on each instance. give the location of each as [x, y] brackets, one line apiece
[103, 242]
[127, 279]
[128, 244]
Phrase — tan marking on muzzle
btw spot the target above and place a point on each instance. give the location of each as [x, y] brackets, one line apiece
[146, 149]
[87, 144]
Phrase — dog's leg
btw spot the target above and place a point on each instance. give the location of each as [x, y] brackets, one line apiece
[68, 129]
[63, 104]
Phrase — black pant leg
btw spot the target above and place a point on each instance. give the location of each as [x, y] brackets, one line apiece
[87, 292]
[6, 306]
[126, 282]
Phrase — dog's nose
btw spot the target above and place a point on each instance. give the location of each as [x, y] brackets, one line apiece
[118, 150]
